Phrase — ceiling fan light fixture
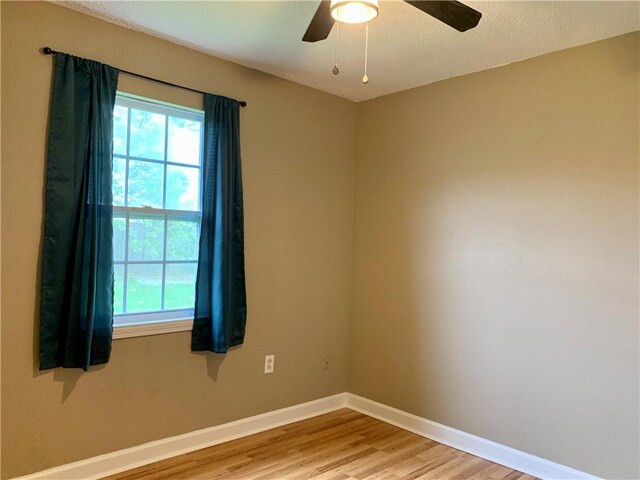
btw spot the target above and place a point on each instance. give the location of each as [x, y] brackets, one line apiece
[354, 11]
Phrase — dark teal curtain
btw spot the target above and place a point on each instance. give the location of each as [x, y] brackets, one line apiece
[77, 258]
[221, 303]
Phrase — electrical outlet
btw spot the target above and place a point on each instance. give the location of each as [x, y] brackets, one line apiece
[325, 362]
[269, 363]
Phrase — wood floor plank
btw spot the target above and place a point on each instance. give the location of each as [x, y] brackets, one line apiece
[341, 445]
[514, 475]
[501, 472]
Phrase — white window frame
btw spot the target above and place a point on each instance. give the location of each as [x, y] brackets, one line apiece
[165, 321]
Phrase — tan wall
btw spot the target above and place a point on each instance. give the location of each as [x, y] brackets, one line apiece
[299, 213]
[496, 255]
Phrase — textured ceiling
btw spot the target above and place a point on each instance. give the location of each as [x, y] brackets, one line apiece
[407, 48]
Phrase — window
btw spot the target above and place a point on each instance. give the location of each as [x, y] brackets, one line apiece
[157, 155]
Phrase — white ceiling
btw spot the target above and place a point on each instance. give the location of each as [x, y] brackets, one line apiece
[407, 48]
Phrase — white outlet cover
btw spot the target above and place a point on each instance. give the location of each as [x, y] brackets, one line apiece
[269, 363]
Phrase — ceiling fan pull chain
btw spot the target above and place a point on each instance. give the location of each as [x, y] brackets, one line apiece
[336, 70]
[365, 79]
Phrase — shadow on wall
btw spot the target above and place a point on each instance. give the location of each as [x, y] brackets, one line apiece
[214, 360]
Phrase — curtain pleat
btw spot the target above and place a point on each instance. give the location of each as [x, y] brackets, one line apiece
[77, 257]
[220, 302]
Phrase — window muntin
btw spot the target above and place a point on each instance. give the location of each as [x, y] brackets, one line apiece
[156, 223]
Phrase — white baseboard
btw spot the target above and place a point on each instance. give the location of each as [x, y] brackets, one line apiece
[122, 460]
[494, 452]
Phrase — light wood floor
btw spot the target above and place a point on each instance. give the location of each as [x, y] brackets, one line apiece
[340, 445]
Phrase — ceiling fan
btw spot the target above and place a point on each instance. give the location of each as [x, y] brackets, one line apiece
[451, 12]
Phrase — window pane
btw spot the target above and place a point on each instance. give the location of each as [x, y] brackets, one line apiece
[147, 135]
[180, 286]
[118, 180]
[120, 130]
[146, 238]
[145, 184]
[182, 239]
[119, 224]
[143, 142]
[144, 288]
[118, 284]
[184, 141]
[183, 188]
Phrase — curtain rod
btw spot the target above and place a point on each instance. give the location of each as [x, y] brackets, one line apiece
[49, 51]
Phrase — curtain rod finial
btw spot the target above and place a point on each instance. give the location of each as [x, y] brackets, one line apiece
[47, 51]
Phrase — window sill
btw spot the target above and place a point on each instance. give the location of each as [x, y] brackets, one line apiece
[156, 328]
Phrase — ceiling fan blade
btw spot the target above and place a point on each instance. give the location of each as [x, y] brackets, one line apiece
[321, 23]
[454, 14]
